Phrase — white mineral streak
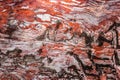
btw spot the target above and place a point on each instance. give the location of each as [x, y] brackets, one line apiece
[27, 34]
[44, 17]
[78, 9]
[55, 1]
[4, 10]
[62, 2]
[25, 7]
[40, 10]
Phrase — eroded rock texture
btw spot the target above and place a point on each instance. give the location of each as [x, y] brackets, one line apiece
[59, 40]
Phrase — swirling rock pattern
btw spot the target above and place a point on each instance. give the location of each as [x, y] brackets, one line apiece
[59, 40]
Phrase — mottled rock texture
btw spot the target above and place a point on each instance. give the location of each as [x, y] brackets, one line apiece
[59, 39]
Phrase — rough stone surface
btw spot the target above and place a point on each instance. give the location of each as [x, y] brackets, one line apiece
[59, 40]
